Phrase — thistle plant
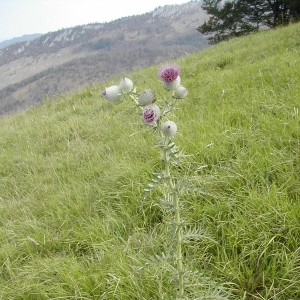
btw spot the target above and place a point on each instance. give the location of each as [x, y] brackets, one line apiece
[155, 115]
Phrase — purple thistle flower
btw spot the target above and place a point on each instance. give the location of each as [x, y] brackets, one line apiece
[169, 73]
[151, 113]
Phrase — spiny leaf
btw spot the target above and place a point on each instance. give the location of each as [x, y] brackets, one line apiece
[196, 233]
[155, 260]
[167, 204]
[159, 176]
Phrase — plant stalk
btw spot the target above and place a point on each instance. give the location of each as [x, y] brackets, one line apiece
[173, 196]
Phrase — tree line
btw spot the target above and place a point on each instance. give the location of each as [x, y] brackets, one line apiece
[233, 18]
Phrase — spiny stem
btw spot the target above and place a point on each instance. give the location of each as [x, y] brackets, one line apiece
[179, 242]
[172, 195]
[167, 165]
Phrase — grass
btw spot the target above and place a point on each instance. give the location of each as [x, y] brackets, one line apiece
[73, 222]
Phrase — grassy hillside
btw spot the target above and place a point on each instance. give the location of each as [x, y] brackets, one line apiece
[74, 224]
[70, 58]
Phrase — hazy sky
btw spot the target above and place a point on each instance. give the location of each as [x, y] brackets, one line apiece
[19, 17]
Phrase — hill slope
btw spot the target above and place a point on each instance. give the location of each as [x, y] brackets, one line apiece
[24, 38]
[66, 59]
[73, 220]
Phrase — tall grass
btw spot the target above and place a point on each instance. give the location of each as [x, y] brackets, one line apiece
[74, 224]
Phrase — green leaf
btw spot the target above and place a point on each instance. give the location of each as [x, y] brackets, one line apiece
[159, 176]
[196, 233]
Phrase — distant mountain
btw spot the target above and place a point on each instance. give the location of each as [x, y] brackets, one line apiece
[67, 59]
[24, 38]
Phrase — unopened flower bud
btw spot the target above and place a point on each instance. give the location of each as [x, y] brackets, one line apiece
[151, 113]
[147, 97]
[169, 128]
[181, 92]
[112, 94]
[126, 85]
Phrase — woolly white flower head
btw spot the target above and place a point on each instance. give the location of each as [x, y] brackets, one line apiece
[112, 94]
[147, 97]
[171, 85]
[126, 85]
[181, 92]
[169, 128]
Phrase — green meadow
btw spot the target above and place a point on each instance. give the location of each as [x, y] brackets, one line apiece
[74, 223]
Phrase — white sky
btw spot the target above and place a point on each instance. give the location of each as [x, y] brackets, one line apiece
[19, 17]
